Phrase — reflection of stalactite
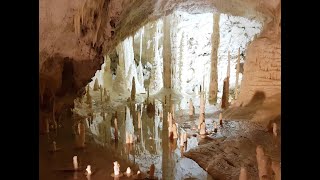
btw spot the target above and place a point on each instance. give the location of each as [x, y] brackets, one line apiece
[215, 40]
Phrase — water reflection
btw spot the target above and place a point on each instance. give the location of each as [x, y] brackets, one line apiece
[142, 131]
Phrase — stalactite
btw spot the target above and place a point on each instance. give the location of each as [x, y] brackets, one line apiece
[96, 85]
[215, 41]
[225, 94]
[166, 53]
[237, 75]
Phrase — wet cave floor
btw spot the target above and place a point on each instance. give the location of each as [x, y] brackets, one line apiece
[221, 153]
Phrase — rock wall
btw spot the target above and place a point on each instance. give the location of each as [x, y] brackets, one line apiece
[262, 69]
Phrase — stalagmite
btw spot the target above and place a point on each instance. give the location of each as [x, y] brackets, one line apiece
[274, 129]
[133, 90]
[225, 94]
[89, 101]
[264, 164]
[96, 85]
[116, 168]
[201, 119]
[243, 174]
[202, 128]
[237, 75]
[220, 119]
[166, 53]
[191, 108]
[215, 40]
[88, 170]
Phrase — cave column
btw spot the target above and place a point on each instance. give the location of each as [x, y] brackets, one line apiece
[166, 53]
[215, 40]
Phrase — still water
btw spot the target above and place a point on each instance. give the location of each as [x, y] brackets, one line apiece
[151, 144]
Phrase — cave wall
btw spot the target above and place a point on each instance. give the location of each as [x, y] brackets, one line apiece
[262, 69]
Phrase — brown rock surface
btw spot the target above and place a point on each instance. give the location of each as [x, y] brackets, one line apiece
[223, 158]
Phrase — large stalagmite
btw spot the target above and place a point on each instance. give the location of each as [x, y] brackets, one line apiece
[215, 40]
[166, 53]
